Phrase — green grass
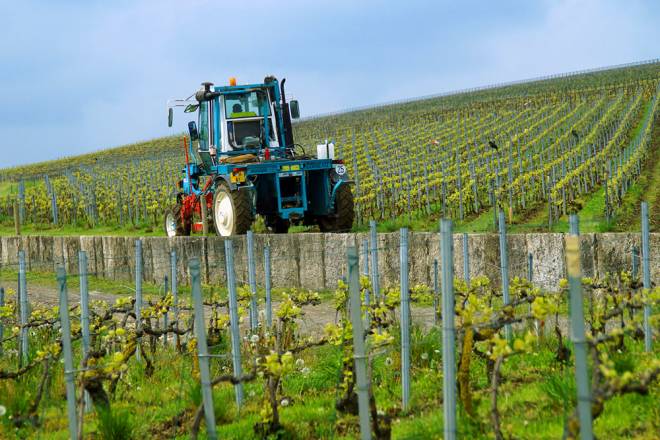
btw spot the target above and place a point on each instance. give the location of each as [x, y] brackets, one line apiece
[532, 401]
[70, 230]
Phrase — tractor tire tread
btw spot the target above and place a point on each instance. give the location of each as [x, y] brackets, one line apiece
[345, 212]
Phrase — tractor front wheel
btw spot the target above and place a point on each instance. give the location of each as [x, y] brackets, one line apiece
[342, 220]
[232, 211]
[175, 226]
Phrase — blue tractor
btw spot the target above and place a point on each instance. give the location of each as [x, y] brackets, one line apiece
[241, 160]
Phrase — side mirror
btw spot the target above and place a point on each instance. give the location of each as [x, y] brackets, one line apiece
[192, 129]
[295, 109]
[170, 116]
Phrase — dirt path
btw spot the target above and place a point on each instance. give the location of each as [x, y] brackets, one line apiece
[49, 296]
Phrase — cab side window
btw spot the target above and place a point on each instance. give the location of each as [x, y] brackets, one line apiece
[203, 126]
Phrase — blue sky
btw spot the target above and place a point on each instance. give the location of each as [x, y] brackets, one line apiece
[78, 76]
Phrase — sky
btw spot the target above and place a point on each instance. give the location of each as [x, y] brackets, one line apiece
[78, 76]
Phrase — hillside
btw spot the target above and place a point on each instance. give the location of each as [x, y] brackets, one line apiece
[585, 143]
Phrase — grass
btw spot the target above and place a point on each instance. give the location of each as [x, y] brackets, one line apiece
[535, 397]
[72, 230]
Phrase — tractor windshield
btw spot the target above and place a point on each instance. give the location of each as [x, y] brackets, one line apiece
[247, 105]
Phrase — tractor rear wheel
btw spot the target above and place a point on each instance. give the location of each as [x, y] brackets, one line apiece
[342, 220]
[232, 211]
[175, 226]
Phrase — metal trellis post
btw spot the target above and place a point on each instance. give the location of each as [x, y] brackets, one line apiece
[405, 321]
[202, 348]
[84, 311]
[233, 320]
[577, 329]
[69, 373]
[175, 295]
[466, 259]
[24, 307]
[138, 294]
[375, 282]
[359, 351]
[646, 268]
[436, 291]
[252, 277]
[448, 331]
[504, 268]
[267, 283]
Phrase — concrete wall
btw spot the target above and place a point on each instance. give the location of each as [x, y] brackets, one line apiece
[316, 261]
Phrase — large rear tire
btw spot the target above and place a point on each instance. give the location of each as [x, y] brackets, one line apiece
[174, 225]
[342, 220]
[232, 211]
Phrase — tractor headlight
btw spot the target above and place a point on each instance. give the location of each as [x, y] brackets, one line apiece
[237, 175]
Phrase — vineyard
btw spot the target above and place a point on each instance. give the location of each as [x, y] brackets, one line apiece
[238, 360]
[539, 150]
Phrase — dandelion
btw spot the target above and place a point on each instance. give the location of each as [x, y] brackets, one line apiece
[3, 410]
[425, 356]
[254, 339]
[300, 363]
[305, 371]
[285, 402]
[252, 393]
[388, 361]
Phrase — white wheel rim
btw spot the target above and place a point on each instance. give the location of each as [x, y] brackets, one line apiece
[223, 214]
[170, 225]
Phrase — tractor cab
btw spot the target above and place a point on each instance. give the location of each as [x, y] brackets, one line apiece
[238, 120]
